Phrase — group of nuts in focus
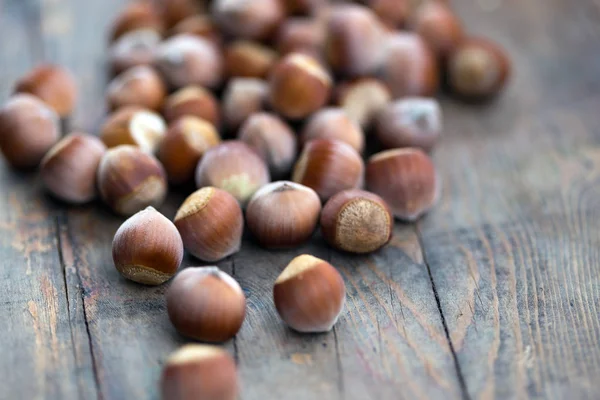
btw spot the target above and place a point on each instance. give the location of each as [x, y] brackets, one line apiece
[188, 74]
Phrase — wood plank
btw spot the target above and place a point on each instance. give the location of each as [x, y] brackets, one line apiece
[513, 246]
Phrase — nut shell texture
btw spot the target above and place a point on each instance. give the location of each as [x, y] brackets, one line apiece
[334, 123]
[134, 126]
[192, 101]
[133, 49]
[206, 304]
[69, 169]
[199, 372]
[435, 22]
[147, 248]
[309, 295]
[406, 179]
[242, 98]
[211, 224]
[138, 86]
[255, 19]
[357, 221]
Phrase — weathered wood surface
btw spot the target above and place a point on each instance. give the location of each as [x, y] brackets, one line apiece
[495, 294]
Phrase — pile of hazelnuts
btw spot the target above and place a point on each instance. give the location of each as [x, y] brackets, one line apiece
[294, 86]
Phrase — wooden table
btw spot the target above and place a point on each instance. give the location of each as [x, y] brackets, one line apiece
[496, 293]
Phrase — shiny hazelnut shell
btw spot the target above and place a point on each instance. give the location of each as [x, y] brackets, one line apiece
[273, 140]
[242, 98]
[437, 24]
[28, 129]
[298, 86]
[309, 294]
[328, 167]
[147, 248]
[406, 179]
[201, 25]
[199, 371]
[192, 101]
[362, 99]
[174, 11]
[256, 19]
[184, 145]
[234, 167]
[357, 222]
[133, 125]
[133, 49]
[68, 170]
[283, 214]
[211, 224]
[206, 304]
[335, 124]
[138, 86]
[303, 35]
[52, 84]
[249, 59]
[130, 180]
[136, 15]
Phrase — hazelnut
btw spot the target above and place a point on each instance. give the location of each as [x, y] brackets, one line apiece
[273, 140]
[186, 60]
[206, 304]
[478, 69]
[283, 214]
[361, 99]
[410, 67]
[334, 123]
[249, 59]
[357, 222]
[186, 141]
[69, 168]
[303, 7]
[309, 294]
[328, 167]
[439, 26]
[130, 180]
[301, 35]
[200, 25]
[52, 84]
[406, 179]
[410, 122]
[211, 224]
[28, 129]
[147, 248]
[242, 98]
[138, 86]
[234, 167]
[192, 101]
[137, 15]
[199, 371]
[136, 126]
[393, 13]
[355, 40]
[133, 49]
[175, 11]
[256, 19]
[298, 86]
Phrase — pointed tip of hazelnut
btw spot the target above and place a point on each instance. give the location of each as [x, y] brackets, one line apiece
[298, 266]
[195, 202]
[190, 353]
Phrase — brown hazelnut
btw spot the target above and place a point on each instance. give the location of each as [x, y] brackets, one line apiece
[136, 15]
[410, 122]
[137, 86]
[334, 123]
[362, 98]
[28, 129]
[406, 179]
[52, 84]
[211, 224]
[249, 59]
[199, 371]
[234, 167]
[328, 167]
[283, 214]
[256, 19]
[69, 168]
[135, 126]
[301, 35]
[175, 11]
[242, 98]
[147, 248]
[439, 26]
[357, 222]
[478, 69]
[410, 67]
[355, 40]
[206, 304]
[298, 86]
[130, 180]
[393, 13]
[309, 294]
[133, 49]
[192, 101]
[273, 140]
[186, 60]
[186, 141]
[200, 25]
